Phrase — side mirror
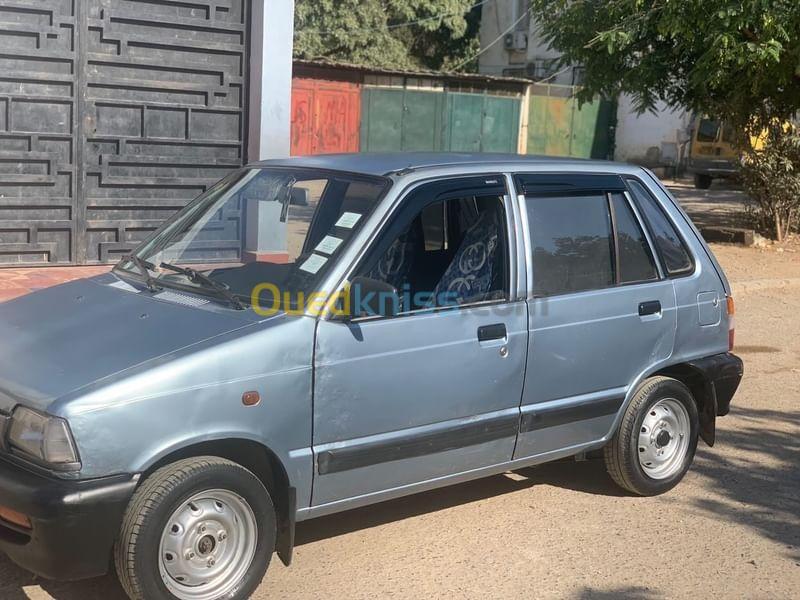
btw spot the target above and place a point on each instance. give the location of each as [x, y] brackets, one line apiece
[368, 297]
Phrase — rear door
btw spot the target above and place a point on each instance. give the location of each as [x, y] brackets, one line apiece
[600, 310]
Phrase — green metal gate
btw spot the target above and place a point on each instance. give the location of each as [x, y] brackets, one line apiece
[400, 119]
[481, 123]
[558, 126]
[405, 120]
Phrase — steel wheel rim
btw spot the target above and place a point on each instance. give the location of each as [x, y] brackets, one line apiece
[663, 440]
[207, 545]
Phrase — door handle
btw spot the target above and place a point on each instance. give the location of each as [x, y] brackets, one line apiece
[487, 333]
[651, 307]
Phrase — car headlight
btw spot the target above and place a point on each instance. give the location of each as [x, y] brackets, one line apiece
[44, 438]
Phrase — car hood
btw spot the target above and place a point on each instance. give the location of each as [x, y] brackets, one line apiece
[58, 340]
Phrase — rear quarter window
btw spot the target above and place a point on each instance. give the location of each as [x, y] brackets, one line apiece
[674, 253]
[636, 263]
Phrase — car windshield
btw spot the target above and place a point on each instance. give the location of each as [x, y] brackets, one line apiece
[707, 130]
[275, 231]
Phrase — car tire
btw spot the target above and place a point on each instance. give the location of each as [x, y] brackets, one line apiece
[702, 181]
[195, 519]
[655, 443]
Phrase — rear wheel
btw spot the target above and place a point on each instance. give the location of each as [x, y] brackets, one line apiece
[199, 529]
[655, 444]
[702, 181]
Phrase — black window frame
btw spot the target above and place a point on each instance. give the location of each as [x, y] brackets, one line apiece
[411, 204]
[639, 220]
[688, 272]
[530, 185]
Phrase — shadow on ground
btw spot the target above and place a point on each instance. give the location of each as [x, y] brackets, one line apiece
[626, 593]
[759, 479]
[723, 205]
[587, 477]
[757, 487]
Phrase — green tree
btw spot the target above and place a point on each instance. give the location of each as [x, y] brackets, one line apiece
[377, 32]
[738, 60]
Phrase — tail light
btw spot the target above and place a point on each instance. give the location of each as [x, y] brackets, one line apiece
[731, 322]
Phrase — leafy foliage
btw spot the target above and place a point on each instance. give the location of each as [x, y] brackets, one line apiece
[373, 32]
[735, 59]
[771, 177]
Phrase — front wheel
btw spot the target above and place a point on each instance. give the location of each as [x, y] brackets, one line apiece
[655, 443]
[198, 529]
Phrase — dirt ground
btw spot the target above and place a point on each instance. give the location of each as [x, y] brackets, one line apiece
[720, 206]
[730, 529]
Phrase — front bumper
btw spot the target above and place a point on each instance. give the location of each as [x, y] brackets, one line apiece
[713, 167]
[73, 523]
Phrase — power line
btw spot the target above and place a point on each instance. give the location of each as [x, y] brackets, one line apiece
[394, 26]
[493, 42]
[554, 75]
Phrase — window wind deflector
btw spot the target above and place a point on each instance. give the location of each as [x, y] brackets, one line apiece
[568, 183]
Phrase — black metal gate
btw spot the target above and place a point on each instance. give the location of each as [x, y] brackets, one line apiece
[113, 113]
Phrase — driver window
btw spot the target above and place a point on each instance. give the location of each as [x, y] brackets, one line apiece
[452, 253]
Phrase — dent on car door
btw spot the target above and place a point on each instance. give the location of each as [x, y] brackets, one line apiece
[433, 390]
[600, 311]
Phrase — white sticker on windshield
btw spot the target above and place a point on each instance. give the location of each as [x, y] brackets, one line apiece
[313, 263]
[348, 220]
[328, 245]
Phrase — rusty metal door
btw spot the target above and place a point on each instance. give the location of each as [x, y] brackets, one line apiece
[325, 116]
[549, 121]
[302, 131]
[119, 112]
[559, 126]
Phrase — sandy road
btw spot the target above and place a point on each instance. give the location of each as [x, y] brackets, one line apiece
[731, 529]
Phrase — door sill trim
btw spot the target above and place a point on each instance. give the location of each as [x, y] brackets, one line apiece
[329, 508]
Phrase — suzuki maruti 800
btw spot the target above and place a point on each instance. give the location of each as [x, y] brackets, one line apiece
[315, 334]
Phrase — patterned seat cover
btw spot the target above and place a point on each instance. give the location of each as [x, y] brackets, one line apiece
[471, 272]
[396, 263]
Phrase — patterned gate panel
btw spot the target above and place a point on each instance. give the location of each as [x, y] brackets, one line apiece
[112, 117]
[38, 119]
[164, 116]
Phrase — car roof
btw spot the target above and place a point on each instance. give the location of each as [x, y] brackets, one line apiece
[395, 162]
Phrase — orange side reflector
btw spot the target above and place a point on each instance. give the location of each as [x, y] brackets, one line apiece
[12, 516]
[251, 398]
[731, 323]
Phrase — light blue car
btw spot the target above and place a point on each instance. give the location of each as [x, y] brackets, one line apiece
[315, 334]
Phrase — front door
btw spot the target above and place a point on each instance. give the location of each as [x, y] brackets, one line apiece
[601, 312]
[434, 390]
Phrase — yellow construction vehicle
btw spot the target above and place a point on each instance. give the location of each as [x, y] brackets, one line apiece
[711, 152]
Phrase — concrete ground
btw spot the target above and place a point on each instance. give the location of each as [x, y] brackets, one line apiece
[730, 529]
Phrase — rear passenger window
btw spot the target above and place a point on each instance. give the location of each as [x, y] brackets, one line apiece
[572, 243]
[635, 259]
[670, 246]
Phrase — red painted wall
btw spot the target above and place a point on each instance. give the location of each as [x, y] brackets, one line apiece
[325, 116]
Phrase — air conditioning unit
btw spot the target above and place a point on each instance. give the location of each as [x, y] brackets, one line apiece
[517, 40]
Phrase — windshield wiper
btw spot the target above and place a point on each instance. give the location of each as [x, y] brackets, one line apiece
[207, 282]
[144, 268]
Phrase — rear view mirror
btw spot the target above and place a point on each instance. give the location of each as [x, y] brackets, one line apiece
[368, 297]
